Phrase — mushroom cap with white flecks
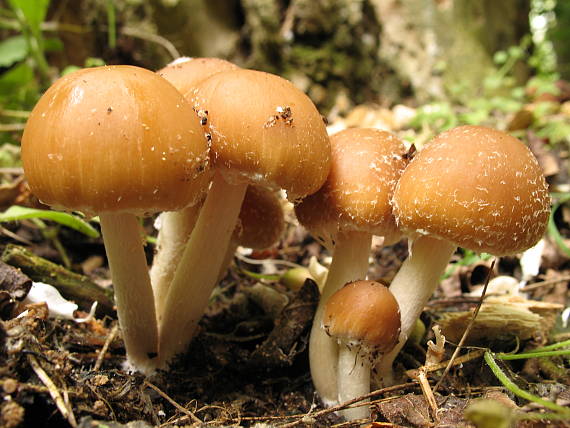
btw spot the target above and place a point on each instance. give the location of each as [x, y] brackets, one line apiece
[115, 138]
[476, 187]
[264, 131]
[366, 165]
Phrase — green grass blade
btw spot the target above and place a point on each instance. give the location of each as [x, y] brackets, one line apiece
[15, 213]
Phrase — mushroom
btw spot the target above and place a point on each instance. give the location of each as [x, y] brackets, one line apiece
[118, 141]
[473, 187]
[263, 131]
[363, 316]
[353, 204]
[260, 224]
[175, 226]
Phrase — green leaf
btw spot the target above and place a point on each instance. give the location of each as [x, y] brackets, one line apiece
[15, 78]
[33, 11]
[553, 230]
[53, 44]
[12, 50]
[15, 213]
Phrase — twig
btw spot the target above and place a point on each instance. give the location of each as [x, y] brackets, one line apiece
[155, 38]
[61, 404]
[105, 347]
[8, 127]
[467, 330]
[347, 404]
[457, 361]
[545, 283]
[12, 170]
[174, 403]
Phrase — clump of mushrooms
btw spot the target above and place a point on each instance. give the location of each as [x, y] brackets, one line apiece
[118, 141]
[353, 204]
[473, 187]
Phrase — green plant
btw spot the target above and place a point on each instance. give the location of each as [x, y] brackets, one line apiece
[561, 198]
[519, 392]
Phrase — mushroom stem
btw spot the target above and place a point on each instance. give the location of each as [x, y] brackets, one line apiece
[198, 270]
[172, 238]
[133, 292]
[350, 262]
[412, 287]
[227, 261]
[353, 380]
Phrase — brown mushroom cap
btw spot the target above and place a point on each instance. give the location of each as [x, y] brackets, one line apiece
[261, 219]
[264, 130]
[185, 73]
[477, 187]
[363, 313]
[366, 165]
[116, 138]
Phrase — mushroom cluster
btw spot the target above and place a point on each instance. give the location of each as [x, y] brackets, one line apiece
[207, 143]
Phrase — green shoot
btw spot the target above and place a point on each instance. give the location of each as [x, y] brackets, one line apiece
[16, 213]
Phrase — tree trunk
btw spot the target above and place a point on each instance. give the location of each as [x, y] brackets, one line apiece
[444, 48]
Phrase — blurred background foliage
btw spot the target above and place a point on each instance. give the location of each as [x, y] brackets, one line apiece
[454, 61]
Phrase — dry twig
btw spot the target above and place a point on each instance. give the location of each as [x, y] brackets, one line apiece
[62, 404]
[467, 330]
[105, 347]
[174, 403]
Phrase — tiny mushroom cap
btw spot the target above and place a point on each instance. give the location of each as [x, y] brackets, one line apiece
[264, 131]
[476, 187]
[363, 314]
[114, 138]
[366, 165]
[261, 219]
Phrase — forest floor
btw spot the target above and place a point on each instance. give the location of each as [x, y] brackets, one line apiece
[249, 365]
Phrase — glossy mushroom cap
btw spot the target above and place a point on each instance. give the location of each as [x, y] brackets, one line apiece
[366, 165]
[476, 187]
[363, 314]
[116, 138]
[261, 219]
[266, 131]
[185, 73]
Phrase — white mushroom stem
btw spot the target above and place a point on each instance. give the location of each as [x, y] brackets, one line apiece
[133, 293]
[229, 256]
[197, 272]
[173, 235]
[412, 287]
[353, 379]
[350, 262]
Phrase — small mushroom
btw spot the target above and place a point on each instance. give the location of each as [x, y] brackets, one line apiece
[473, 187]
[353, 204]
[364, 318]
